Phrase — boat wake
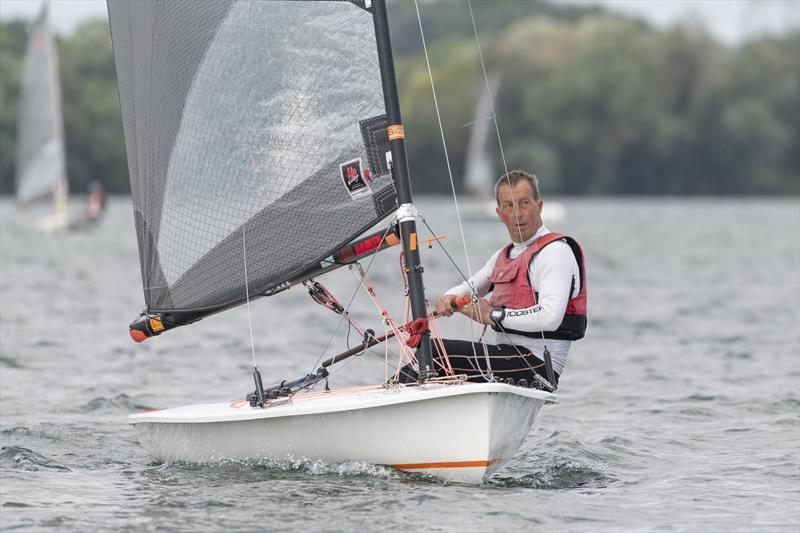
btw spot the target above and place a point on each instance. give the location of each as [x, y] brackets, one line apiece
[562, 462]
[556, 473]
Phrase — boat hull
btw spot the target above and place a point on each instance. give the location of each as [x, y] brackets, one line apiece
[455, 432]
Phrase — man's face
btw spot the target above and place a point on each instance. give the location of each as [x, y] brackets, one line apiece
[519, 211]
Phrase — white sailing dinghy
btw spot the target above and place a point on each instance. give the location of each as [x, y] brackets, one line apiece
[41, 170]
[263, 138]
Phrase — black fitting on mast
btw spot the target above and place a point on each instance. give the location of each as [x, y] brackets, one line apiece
[407, 218]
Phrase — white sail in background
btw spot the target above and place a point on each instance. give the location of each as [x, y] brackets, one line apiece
[41, 175]
[479, 172]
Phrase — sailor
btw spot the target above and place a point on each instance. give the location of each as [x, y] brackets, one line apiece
[538, 294]
[97, 202]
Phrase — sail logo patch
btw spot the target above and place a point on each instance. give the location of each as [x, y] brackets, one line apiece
[395, 132]
[353, 178]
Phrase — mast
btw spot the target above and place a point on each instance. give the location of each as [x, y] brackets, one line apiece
[406, 214]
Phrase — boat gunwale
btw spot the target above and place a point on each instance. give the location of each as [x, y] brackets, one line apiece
[353, 399]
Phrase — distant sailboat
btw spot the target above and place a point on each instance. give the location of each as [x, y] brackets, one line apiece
[41, 173]
[480, 173]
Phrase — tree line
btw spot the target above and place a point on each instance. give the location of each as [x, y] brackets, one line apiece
[592, 102]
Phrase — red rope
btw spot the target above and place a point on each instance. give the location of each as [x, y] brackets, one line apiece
[416, 329]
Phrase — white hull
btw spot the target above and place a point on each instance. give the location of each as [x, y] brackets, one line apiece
[53, 222]
[458, 432]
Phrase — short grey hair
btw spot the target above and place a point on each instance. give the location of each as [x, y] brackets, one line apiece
[512, 178]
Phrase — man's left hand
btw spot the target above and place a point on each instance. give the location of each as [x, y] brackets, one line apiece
[478, 311]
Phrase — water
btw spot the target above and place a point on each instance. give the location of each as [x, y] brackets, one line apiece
[680, 411]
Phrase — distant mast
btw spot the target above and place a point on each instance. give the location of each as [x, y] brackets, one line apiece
[406, 215]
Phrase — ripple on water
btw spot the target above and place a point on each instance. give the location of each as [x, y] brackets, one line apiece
[120, 402]
[22, 432]
[737, 354]
[10, 362]
[563, 462]
[558, 473]
[702, 398]
[25, 460]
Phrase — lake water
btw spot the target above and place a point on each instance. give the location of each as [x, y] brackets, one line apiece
[680, 411]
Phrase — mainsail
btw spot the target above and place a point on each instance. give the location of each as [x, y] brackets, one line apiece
[253, 129]
[40, 165]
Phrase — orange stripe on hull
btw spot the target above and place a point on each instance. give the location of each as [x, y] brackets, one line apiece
[445, 464]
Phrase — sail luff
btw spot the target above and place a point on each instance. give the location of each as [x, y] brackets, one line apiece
[407, 211]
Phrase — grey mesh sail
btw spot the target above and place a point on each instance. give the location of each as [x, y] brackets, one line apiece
[240, 119]
[40, 164]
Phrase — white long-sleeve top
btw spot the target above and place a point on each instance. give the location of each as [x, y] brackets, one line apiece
[554, 275]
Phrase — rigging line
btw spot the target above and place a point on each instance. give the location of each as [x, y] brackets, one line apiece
[247, 296]
[494, 114]
[497, 129]
[444, 249]
[349, 303]
[444, 143]
[447, 159]
[344, 365]
[490, 117]
[536, 376]
[384, 313]
[482, 340]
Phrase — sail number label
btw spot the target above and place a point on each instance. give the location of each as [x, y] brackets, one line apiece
[353, 179]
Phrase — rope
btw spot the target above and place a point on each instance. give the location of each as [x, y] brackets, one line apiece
[441, 133]
[347, 308]
[449, 170]
[494, 114]
[247, 296]
[416, 330]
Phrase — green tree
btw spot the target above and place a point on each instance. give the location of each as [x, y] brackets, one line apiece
[13, 36]
[92, 119]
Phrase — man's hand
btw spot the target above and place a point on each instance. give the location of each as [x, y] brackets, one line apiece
[446, 305]
[478, 311]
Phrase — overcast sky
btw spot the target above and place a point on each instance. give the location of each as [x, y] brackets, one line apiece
[729, 20]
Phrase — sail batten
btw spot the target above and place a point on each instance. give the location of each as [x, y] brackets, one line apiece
[245, 113]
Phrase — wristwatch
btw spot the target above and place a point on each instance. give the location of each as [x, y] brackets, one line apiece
[497, 314]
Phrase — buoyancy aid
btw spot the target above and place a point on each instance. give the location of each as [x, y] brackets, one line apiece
[512, 289]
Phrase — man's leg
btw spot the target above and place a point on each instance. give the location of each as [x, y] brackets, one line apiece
[509, 363]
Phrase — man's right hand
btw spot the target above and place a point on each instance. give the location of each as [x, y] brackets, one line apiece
[446, 305]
